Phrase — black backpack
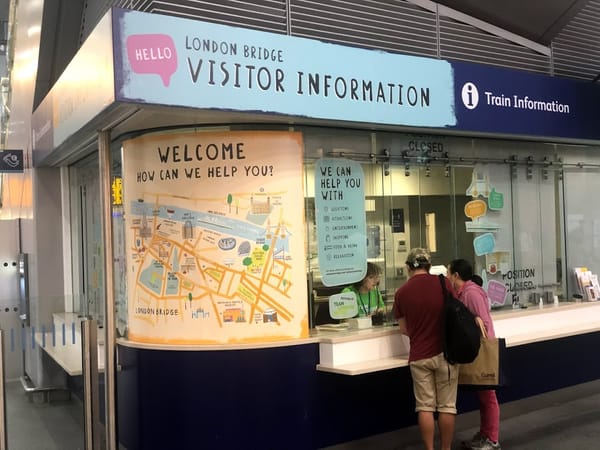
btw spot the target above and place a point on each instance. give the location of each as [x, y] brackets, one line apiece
[460, 333]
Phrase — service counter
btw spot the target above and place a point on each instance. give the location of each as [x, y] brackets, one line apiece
[313, 392]
[355, 352]
[534, 324]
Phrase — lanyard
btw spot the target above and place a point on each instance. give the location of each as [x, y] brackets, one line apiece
[362, 303]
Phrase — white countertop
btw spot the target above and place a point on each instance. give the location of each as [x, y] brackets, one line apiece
[551, 322]
[518, 327]
[69, 355]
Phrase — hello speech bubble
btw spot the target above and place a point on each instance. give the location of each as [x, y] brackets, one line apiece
[152, 53]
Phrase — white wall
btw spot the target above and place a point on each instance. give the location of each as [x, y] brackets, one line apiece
[40, 229]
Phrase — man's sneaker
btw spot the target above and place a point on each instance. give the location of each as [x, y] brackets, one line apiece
[486, 444]
[474, 442]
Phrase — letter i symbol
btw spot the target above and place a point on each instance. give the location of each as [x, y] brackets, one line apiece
[470, 95]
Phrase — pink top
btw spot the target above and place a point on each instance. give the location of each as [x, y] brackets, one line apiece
[475, 298]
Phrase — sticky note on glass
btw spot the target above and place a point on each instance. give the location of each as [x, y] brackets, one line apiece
[484, 244]
[496, 292]
[496, 200]
[475, 209]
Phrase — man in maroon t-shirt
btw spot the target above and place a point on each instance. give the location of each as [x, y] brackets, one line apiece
[418, 308]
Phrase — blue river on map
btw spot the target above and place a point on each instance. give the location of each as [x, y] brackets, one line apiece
[209, 221]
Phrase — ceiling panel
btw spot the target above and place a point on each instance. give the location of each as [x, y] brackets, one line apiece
[537, 20]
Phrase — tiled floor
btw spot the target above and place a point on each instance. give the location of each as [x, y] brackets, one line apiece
[568, 419]
[33, 424]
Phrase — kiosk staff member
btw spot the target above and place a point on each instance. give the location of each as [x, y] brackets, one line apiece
[367, 292]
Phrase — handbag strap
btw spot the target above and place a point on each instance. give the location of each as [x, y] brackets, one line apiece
[481, 326]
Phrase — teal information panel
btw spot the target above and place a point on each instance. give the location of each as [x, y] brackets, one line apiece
[341, 222]
[174, 61]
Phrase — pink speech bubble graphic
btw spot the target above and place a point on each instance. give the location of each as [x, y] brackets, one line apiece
[496, 292]
[152, 53]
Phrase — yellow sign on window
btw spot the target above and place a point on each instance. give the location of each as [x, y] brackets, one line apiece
[117, 191]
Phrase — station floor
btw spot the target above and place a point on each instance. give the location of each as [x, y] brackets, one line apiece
[566, 419]
[35, 424]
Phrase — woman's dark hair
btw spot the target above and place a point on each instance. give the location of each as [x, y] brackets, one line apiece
[462, 267]
[477, 280]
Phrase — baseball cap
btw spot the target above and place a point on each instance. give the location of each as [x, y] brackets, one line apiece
[418, 257]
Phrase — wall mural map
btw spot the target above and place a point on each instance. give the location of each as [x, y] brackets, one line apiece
[215, 244]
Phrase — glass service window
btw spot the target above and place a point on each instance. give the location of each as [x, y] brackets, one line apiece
[495, 203]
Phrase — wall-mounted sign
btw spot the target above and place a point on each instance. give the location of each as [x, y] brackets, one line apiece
[116, 189]
[505, 101]
[397, 220]
[341, 222]
[175, 61]
[415, 145]
[207, 65]
[214, 237]
[11, 161]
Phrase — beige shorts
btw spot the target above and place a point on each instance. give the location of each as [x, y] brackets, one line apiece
[435, 383]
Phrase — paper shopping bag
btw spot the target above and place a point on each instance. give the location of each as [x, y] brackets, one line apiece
[488, 369]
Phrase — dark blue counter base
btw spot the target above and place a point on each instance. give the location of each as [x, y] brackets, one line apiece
[274, 398]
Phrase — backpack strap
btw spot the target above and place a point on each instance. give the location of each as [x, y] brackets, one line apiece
[443, 284]
[445, 295]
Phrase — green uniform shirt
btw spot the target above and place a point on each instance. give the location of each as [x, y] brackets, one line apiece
[369, 302]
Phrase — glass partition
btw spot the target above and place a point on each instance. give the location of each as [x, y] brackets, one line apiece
[582, 231]
[86, 239]
[534, 275]
[495, 203]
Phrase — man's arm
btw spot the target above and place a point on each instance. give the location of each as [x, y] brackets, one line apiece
[402, 326]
